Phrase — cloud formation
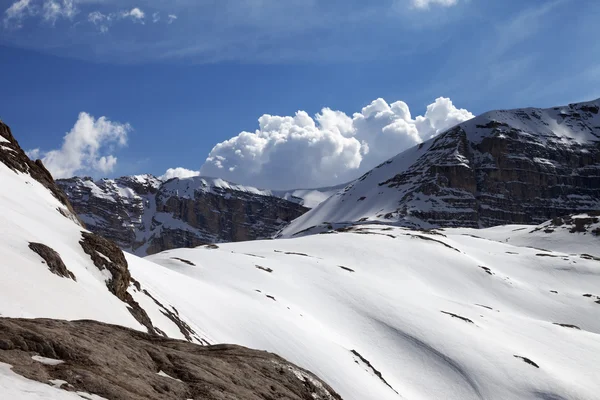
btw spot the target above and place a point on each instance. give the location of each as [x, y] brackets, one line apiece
[331, 148]
[86, 148]
[14, 15]
[179, 172]
[50, 11]
[425, 4]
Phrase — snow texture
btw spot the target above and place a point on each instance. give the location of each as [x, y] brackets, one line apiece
[384, 312]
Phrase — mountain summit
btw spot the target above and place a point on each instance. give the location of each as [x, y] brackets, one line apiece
[515, 166]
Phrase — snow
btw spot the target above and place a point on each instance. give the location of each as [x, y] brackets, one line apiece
[164, 374]
[309, 198]
[57, 383]
[28, 213]
[16, 387]
[47, 361]
[187, 187]
[398, 302]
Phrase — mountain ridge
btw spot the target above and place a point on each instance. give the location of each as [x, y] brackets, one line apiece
[508, 166]
[146, 215]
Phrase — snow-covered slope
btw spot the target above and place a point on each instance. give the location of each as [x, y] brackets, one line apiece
[516, 166]
[309, 198]
[389, 313]
[578, 234]
[145, 215]
[51, 267]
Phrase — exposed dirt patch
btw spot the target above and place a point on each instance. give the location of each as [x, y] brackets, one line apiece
[188, 262]
[589, 257]
[52, 260]
[568, 326]
[458, 316]
[269, 270]
[434, 240]
[527, 360]
[121, 364]
[291, 253]
[373, 369]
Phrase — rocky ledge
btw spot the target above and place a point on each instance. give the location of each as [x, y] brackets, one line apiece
[122, 364]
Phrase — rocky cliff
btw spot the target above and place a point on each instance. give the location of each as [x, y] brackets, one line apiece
[145, 215]
[521, 166]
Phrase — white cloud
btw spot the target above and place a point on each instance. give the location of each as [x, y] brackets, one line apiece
[85, 147]
[331, 148]
[14, 15]
[135, 14]
[171, 18]
[424, 4]
[156, 17]
[53, 10]
[179, 173]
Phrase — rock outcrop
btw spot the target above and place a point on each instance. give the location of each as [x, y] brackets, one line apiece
[521, 166]
[145, 215]
[113, 362]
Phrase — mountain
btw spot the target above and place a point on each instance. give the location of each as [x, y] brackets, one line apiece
[145, 215]
[52, 267]
[376, 311]
[521, 166]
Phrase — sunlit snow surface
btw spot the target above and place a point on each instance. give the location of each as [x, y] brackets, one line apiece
[441, 315]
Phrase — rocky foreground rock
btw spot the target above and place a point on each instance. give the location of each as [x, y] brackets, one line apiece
[122, 364]
[145, 215]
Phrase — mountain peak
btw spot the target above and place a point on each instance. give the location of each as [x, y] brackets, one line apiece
[508, 166]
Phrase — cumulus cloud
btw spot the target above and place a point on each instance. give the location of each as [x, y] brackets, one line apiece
[179, 172]
[135, 14]
[331, 148]
[86, 148]
[424, 4]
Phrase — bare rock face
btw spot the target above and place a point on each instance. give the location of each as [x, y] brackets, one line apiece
[145, 215]
[523, 166]
[121, 364]
[53, 260]
[106, 255]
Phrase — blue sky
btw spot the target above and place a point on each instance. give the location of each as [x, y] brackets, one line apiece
[189, 74]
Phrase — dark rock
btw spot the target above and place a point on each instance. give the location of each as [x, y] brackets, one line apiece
[202, 215]
[528, 361]
[121, 364]
[53, 260]
[107, 255]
